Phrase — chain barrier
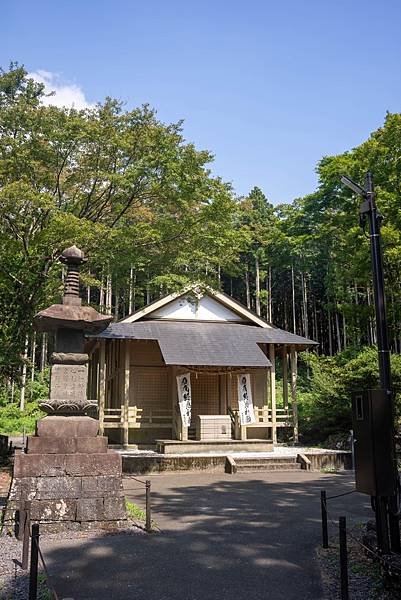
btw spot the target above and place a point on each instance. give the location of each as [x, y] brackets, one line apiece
[139, 480]
[148, 515]
[390, 568]
[46, 572]
[339, 495]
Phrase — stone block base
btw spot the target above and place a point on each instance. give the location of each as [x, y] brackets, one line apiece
[72, 481]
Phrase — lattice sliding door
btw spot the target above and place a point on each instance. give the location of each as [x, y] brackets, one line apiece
[205, 394]
[150, 388]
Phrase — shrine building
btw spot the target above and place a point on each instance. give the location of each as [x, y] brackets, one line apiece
[195, 370]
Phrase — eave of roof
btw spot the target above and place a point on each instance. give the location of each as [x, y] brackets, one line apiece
[201, 343]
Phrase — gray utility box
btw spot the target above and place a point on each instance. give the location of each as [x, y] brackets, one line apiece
[213, 427]
[373, 448]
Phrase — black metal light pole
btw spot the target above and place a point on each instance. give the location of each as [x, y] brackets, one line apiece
[387, 520]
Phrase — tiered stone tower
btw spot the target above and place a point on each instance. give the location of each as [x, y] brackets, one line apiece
[67, 472]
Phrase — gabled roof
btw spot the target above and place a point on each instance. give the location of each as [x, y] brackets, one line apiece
[244, 314]
[206, 344]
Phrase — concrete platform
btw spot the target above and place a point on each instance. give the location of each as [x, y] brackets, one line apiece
[142, 463]
[194, 446]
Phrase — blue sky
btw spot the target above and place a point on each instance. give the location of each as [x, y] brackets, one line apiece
[268, 87]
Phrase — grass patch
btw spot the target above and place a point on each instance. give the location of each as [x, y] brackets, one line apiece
[134, 511]
[329, 470]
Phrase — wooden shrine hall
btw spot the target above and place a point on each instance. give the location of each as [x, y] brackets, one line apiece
[169, 376]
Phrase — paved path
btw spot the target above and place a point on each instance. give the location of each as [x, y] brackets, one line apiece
[225, 537]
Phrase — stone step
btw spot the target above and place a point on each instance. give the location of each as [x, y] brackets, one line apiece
[246, 465]
[266, 466]
[265, 459]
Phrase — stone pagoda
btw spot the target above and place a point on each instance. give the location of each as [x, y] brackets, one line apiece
[67, 472]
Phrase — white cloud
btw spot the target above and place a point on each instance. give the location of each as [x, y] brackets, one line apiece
[65, 94]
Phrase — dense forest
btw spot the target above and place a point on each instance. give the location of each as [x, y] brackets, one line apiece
[143, 205]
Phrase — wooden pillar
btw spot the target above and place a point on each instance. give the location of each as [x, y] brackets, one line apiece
[272, 357]
[223, 403]
[126, 391]
[285, 377]
[294, 392]
[174, 404]
[102, 384]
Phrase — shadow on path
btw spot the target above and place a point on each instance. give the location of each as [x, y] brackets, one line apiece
[241, 537]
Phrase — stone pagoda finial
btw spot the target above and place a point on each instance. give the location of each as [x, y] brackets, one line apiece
[73, 258]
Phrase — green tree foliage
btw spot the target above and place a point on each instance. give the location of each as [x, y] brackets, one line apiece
[12, 420]
[124, 186]
[324, 396]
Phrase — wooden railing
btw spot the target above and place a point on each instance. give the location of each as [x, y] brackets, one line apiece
[263, 417]
[156, 418]
[113, 417]
[284, 416]
[138, 417]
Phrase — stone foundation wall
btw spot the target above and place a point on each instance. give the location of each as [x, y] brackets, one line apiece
[72, 482]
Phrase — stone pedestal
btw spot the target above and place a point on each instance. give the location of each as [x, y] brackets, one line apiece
[72, 480]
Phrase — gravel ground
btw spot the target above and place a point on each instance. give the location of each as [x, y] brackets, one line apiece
[364, 575]
[14, 582]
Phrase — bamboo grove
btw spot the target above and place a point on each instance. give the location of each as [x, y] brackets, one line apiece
[144, 206]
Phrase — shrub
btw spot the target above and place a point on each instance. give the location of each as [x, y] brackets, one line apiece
[325, 396]
[12, 420]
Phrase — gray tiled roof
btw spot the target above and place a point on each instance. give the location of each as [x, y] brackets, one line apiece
[206, 344]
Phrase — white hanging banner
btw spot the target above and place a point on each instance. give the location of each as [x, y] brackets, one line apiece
[245, 404]
[184, 398]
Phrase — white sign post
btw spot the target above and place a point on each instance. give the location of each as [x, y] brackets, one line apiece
[245, 404]
[184, 398]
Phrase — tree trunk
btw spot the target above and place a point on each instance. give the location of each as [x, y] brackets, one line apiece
[357, 325]
[23, 376]
[108, 295]
[315, 327]
[43, 353]
[248, 291]
[294, 324]
[116, 303]
[33, 355]
[304, 305]
[285, 313]
[257, 282]
[322, 337]
[344, 332]
[101, 296]
[131, 291]
[269, 296]
[338, 331]
[330, 334]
